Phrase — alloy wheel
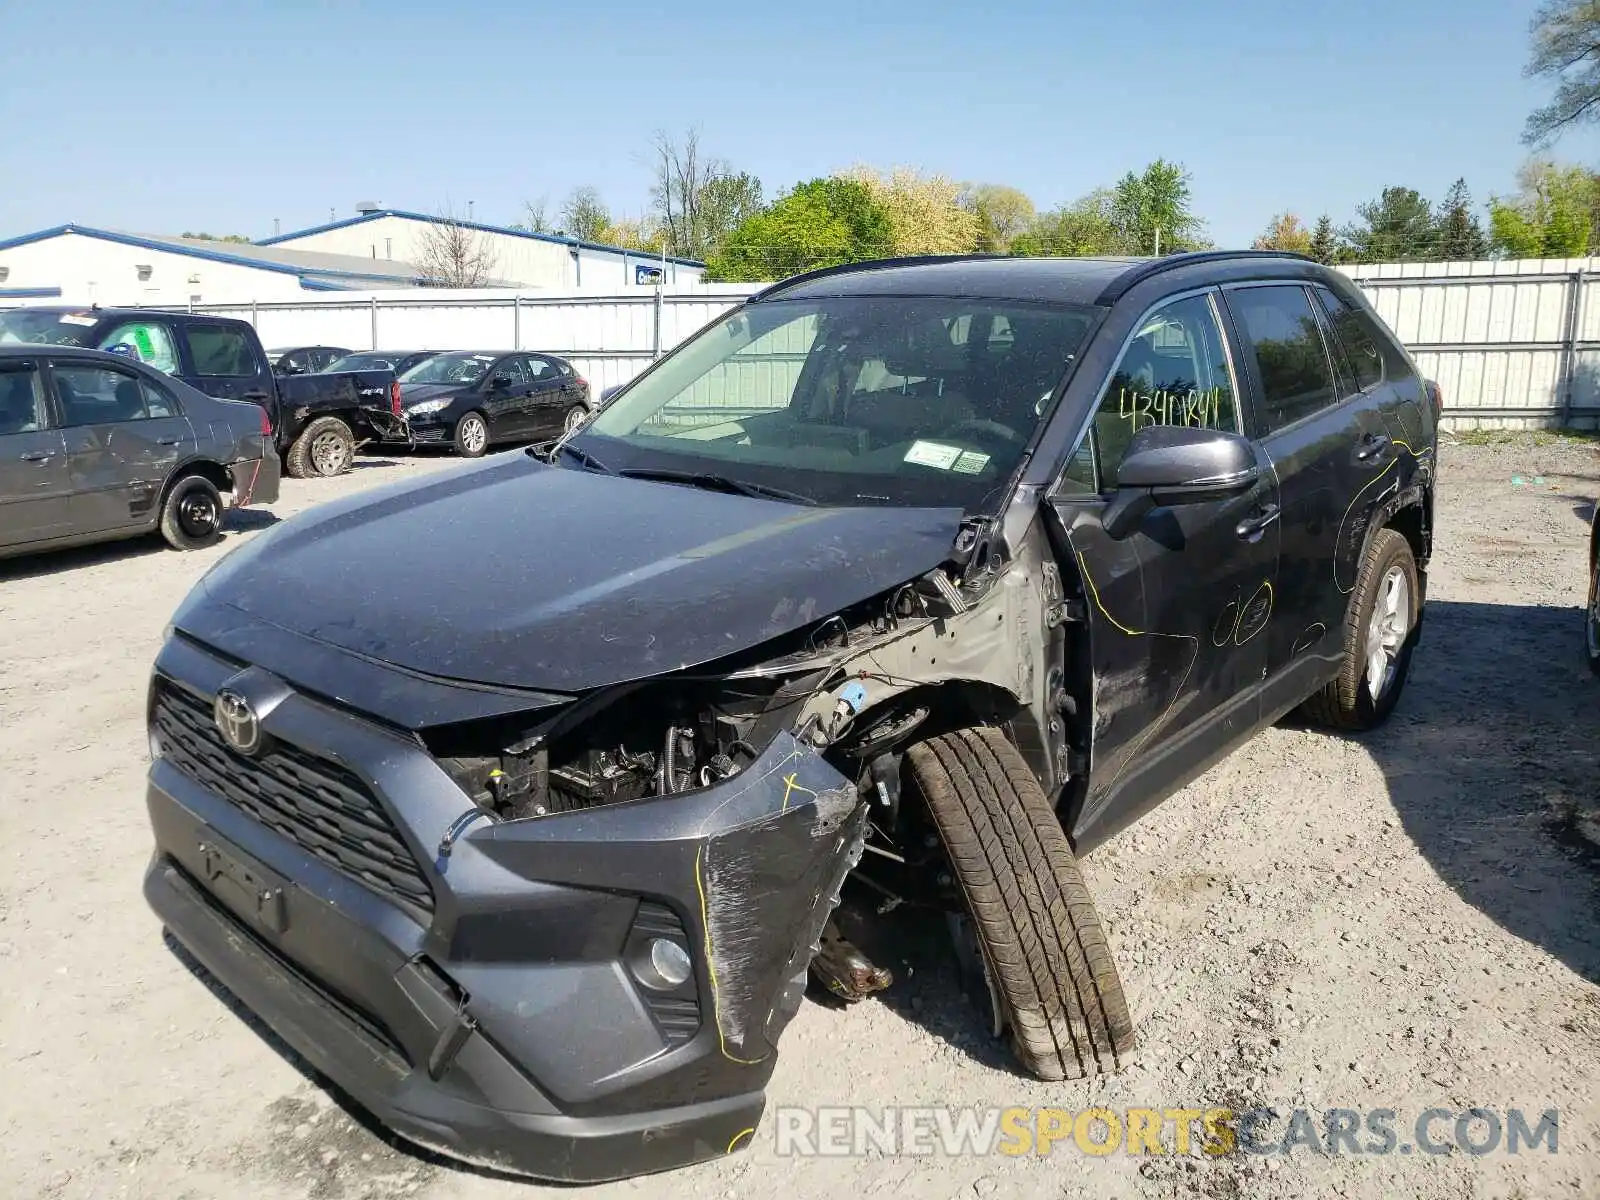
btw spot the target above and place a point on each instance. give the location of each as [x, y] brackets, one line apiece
[1387, 631]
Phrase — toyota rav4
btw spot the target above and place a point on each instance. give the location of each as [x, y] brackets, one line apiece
[519, 799]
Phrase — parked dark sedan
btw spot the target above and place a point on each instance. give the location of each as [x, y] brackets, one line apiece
[473, 399]
[95, 447]
[303, 360]
[398, 361]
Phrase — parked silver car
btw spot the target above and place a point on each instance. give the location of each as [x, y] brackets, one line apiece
[96, 446]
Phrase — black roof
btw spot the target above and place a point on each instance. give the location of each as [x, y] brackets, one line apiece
[1059, 280]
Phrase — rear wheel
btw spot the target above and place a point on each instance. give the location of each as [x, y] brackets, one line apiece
[325, 447]
[576, 416]
[471, 436]
[1379, 636]
[1045, 955]
[191, 516]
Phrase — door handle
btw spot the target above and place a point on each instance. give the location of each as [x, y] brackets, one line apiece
[38, 455]
[1372, 446]
[167, 441]
[1251, 528]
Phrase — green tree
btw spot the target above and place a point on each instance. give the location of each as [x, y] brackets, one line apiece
[1324, 241]
[726, 202]
[584, 215]
[822, 223]
[1458, 232]
[1004, 214]
[1566, 53]
[1552, 215]
[1285, 232]
[1397, 227]
[1152, 210]
[1087, 226]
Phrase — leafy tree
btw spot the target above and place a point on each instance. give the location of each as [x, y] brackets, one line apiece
[1324, 241]
[585, 215]
[924, 211]
[1004, 214]
[726, 201]
[1459, 233]
[215, 237]
[1396, 227]
[1566, 52]
[644, 235]
[1285, 232]
[1552, 215]
[1087, 226]
[1152, 210]
[822, 223]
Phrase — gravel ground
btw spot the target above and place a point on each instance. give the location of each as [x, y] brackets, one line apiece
[1404, 921]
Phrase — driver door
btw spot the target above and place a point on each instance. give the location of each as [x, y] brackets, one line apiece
[1175, 609]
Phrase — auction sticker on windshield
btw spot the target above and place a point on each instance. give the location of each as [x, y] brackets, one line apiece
[77, 319]
[933, 454]
[970, 463]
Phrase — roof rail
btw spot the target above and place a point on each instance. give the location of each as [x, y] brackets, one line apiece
[1122, 284]
[871, 264]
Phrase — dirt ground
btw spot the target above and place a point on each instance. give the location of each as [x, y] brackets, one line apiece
[1403, 921]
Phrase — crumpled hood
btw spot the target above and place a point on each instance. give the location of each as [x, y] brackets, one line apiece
[523, 575]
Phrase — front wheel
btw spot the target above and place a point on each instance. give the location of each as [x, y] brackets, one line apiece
[324, 448]
[1591, 623]
[1045, 955]
[471, 436]
[1379, 636]
[191, 517]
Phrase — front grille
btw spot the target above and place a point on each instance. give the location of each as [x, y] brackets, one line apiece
[428, 434]
[316, 804]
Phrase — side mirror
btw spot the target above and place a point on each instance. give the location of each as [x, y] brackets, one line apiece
[1177, 464]
[499, 383]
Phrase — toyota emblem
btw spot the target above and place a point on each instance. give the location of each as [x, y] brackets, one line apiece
[237, 722]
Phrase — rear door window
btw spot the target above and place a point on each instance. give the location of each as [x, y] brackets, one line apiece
[22, 408]
[148, 341]
[1355, 336]
[217, 350]
[96, 395]
[1283, 337]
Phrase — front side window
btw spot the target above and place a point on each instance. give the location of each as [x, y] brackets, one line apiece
[1280, 330]
[852, 399]
[147, 341]
[21, 399]
[1174, 372]
[514, 371]
[449, 368]
[219, 351]
[101, 396]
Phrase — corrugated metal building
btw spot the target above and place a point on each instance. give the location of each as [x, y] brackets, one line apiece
[544, 260]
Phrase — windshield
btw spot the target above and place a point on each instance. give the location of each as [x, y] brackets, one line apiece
[45, 327]
[363, 362]
[851, 400]
[450, 368]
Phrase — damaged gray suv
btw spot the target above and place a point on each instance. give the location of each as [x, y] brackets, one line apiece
[519, 799]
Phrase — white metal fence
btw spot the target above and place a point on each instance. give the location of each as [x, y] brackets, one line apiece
[1511, 343]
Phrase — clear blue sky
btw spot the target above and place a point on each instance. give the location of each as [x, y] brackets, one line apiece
[163, 117]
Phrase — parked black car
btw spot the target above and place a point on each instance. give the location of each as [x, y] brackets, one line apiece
[303, 360]
[398, 361]
[969, 562]
[318, 421]
[474, 399]
[94, 448]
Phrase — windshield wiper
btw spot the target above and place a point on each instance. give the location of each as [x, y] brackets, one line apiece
[719, 483]
[583, 456]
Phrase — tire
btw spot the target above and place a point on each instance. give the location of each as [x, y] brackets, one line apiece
[191, 515]
[325, 448]
[471, 436]
[1041, 940]
[576, 416]
[1591, 622]
[1350, 702]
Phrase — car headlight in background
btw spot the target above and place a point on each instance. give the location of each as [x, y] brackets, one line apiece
[426, 407]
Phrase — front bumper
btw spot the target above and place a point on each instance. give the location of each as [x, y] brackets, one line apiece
[503, 1017]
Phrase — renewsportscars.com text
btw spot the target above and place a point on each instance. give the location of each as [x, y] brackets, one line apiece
[954, 1132]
